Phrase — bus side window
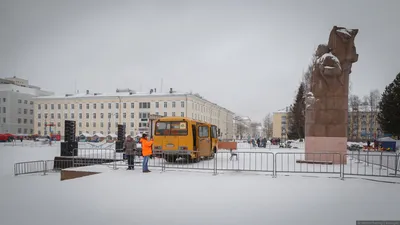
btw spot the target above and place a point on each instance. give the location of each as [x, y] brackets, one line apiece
[194, 136]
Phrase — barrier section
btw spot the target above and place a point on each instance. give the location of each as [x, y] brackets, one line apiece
[245, 161]
[172, 161]
[156, 161]
[299, 162]
[29, 167]
[371, 164]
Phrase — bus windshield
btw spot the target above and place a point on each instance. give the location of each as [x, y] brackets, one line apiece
[171, 128]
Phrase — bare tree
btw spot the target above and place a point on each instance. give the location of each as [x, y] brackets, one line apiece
[267, 126]
[373, 101]
[240, 130]
[355, 103]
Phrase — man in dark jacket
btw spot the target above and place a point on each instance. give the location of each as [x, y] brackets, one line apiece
[130, 149]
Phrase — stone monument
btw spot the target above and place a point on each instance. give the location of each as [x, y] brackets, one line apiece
[327, 102]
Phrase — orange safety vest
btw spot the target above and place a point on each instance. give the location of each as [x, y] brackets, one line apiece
[146, 147]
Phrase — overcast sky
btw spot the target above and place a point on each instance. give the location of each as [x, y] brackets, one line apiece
[247, 56]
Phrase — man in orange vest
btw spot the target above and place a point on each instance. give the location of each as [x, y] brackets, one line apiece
[146, 152]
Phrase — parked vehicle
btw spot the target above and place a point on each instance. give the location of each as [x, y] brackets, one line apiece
[7, 137]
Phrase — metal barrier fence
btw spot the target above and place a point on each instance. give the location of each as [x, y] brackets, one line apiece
[298, 162]
[371, 164]
[350, 164]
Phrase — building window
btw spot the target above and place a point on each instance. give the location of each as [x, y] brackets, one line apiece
[87, 124]
[157, 105]
[94, 124]
[87, 106]
[101, 124]
[19, 110]
[80, 124]
[132, 115]
[19, 101]
[173, 113]
[80, 115]
[25, 121]
[94, 115]
[25, 111]
[101, 115]
[109, 115]
[25, 131]
[59, 106]
[132, 124]
[39, 133]
[39, 107]
[31, 121]
[39, 124]
[144, 115]
[58, 124]
[39, 116]
[124, 115]
[144, 105]
[182, 114]
[72, 106]
[72, 116]
[52, 115]
[80, 106]
[124, 105]
[31, 131]
[31, 111]
[109, 105]
[26, 102]
[116, 115]
[94, 105]
[66, 106]
[52, 106]
[173, 104]
[58, 115]
[19, 120]
[117, 105]
[102, 106]
[182, 104]
[87, 115]
[165, 104]
[19, 130]
[45, 106]
[132, 105]
[165, 113]
[4, 100]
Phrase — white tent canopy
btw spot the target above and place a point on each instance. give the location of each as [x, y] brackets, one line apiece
[86, 135]
[112, 135]
[100, 135]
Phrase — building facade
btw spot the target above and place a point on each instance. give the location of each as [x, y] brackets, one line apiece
[17, 106]
[363, 125]
[101, 113]
[280, 124]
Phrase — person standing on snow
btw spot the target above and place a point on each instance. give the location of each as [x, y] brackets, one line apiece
[130, 149]
[146, 152]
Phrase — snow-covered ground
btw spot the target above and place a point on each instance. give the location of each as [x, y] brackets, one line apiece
[179, 196]
[131, 197]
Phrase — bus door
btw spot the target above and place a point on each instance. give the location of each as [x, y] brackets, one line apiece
[203, 134]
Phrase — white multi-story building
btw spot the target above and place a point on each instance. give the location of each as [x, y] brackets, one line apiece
[101, 113]
[16, 105]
